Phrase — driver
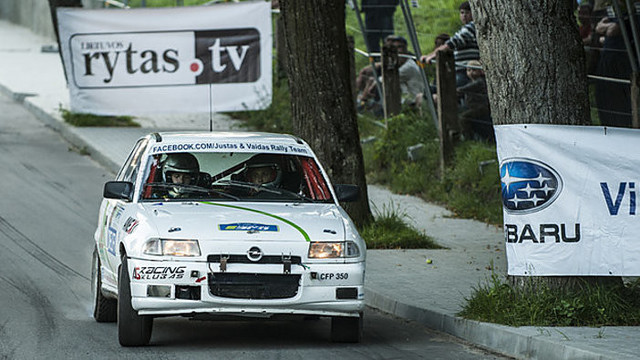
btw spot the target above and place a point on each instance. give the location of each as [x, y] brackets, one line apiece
[262, 174]
[180, 169]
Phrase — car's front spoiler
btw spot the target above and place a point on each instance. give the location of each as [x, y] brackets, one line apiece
[317, 294]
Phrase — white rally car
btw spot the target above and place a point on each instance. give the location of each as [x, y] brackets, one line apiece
[246, 224]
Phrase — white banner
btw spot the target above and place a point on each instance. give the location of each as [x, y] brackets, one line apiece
[569, 195]
[168, 60]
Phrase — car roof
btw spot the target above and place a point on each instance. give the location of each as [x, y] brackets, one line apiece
[230, 136]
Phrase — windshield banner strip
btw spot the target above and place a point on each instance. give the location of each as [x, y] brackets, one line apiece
[304, 233]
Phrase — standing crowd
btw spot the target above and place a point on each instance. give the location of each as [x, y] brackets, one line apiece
[600, 28]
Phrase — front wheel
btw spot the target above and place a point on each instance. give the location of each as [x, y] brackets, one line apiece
[346, 329]
[133, 329]
[104, 309]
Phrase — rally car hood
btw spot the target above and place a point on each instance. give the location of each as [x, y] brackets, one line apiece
[247, 221]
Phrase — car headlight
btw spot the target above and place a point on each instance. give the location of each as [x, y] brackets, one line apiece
[331, 250]
[170, 247]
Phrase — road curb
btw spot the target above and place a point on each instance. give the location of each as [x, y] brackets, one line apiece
[67, 132]
[501, 339]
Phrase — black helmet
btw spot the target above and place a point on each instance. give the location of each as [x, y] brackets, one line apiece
[183, 163]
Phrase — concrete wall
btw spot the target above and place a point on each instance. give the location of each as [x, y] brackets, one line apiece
[34, 14]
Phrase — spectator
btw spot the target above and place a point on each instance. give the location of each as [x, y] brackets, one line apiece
[613, 99]
[584, 17]
[439, 41]
[411, 83]
[463, 43]
[378, 21]
[474, 115]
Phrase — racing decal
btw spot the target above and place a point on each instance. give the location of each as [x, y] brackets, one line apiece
[117, 212]
[248, 227]
[226, 146]
[111, 240]
[158, 272]
[130, 225]
[304, 233]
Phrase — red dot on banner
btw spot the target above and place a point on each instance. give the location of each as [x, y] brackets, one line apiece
[194, 67]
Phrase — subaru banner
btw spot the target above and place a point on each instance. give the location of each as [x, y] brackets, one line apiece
[570, 199]
[168, 60]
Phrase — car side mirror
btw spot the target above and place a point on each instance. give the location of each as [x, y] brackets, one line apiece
[121, 190]
[347, 193]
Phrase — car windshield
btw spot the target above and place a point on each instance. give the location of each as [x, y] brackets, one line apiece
[233, 177]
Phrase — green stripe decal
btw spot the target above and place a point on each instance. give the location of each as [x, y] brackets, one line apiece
[304, 233]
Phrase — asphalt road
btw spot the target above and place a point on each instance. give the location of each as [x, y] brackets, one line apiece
[49, 198]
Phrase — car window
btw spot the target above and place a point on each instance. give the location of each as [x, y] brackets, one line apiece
[130, 168]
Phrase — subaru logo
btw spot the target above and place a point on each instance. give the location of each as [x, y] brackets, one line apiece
[254, 254]
[528, 185]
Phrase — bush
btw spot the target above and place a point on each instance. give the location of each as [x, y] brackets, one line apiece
[470, 188]
[389, 231]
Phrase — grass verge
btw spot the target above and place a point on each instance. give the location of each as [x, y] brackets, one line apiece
[535, 304]
[390, 231]
[91, 120]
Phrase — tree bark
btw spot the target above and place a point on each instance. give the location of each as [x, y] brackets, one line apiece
[536, 73]
[321, 94]
[534, 61]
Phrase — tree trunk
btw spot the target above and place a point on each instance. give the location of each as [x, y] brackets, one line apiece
[321, 95]
[534, 61]
[536, 73]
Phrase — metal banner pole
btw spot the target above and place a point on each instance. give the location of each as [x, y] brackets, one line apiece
[371, 60]
[634, 27]
[210, 110]
[625, 36]
[408, 18]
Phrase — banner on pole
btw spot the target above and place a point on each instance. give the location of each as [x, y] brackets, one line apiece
[569, 196]
[162, 60]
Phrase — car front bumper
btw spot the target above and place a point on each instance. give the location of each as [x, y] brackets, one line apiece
[158, 288]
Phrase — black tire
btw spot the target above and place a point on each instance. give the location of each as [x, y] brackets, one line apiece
[346, 329]
[133, 329]
[104, 308]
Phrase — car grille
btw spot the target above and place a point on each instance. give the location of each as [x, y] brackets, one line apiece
[253, 286]
[243, 259]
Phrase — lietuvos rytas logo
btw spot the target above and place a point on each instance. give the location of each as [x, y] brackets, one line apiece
[528, 185]
[113, 60]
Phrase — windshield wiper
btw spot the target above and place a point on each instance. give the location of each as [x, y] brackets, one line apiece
[194, 188]
[248, 185]
[267, 189]
[301, 197]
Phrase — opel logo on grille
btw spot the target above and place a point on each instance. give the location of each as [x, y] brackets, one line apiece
[254, 254]
[528, 185]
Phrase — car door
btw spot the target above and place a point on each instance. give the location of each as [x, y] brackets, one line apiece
[115, 210]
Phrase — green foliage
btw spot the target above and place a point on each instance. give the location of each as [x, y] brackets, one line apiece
[535, 304]
[430, 19]
[390, 231]
[473, 183]
[470, 188]
[276, 117]
[91, 120]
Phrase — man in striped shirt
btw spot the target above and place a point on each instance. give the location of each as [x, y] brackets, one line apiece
[463, 43]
